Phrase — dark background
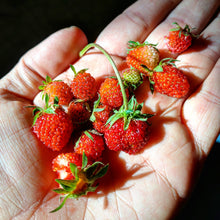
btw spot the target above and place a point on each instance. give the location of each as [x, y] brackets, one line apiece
[25, 23]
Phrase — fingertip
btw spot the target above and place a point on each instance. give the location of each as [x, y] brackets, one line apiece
[53, 55]
[50, 57]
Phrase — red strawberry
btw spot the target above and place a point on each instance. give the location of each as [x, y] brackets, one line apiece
[57, 88]
[92, 144]
[179, 39]
[61, 164]
[83, 85]
[79, 112]
[110, 93]
[169, 80]
[52, 126]
[100, 115]
[83, 180]
[128, 133]
[142, 55]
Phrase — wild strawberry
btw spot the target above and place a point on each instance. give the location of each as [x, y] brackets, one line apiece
[57, 88]
[100, 115]
[83, 181]
[179, 39]
[169, 80]
[52, 126]
[110, 93]
[92, 144]
[83, 85]
[128, 130]
[79, 111]
[140, 55]
[128, 112]
[132, 78]
[61, 164]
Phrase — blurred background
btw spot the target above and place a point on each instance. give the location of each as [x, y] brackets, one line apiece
[25, 23]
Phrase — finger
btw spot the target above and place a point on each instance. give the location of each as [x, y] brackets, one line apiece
[197, 14]
[135, 23]
[201, 112]
[197, 63]
[50, 57]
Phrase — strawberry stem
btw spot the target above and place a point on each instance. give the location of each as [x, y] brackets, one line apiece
[87, 47]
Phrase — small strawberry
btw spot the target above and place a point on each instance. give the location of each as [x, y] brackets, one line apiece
[92, 143]
[52, 125]
[83, 181]
[169, 80]
[79, 111]
[142, 54]
[132, 78]
[128, 130]
[110, 93]
[61, 164]
[83, 85]
[57, 88]
[127, 113]
[179, 39]
[100, 115]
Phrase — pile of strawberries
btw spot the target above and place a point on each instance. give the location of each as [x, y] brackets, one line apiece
[108, 118]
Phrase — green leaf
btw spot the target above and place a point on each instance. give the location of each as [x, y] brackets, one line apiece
[90, 170]
[101, 172]
[112, 119]
[74, 170]
[48, 79]
[73, 69]
[68, 185]
[60, 191]
[126, 123]
[36, 117]
[36, 109]
[99, 109]
[41, 87]
[92, 188]
[88, 135]
[56, 100]
[61, 205]
[49, 111]
[47, 100]
[158, 69]
[84, 160]
[96, 104]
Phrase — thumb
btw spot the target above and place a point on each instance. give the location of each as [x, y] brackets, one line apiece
[50, 57]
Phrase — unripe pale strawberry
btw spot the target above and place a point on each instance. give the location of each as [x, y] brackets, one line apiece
[140, 55]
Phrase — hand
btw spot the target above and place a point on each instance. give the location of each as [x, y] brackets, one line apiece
[150, 185]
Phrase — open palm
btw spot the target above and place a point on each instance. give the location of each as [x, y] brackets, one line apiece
[150, 185]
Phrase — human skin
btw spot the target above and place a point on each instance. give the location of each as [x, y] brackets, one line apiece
[151, 185]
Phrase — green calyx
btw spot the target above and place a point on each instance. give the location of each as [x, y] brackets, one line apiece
[165, 61]
[47, 81]
[135, 44]
[158, 68]
[186, 30]
[48, 109]
[132, 78]
[96, 109]
[83, 182]
[76, 73]
[132, 113]
[129, 110]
